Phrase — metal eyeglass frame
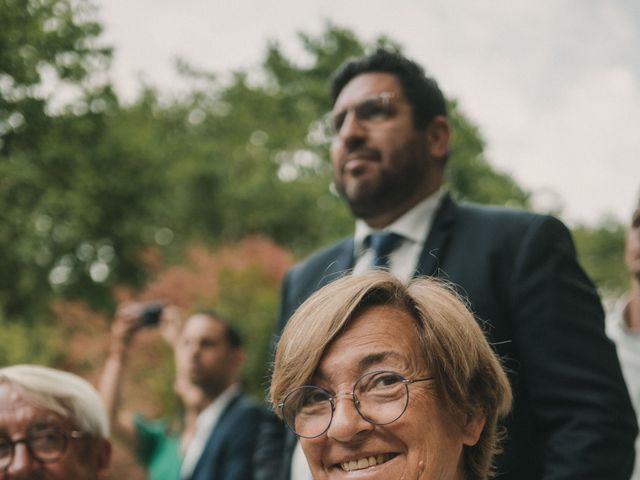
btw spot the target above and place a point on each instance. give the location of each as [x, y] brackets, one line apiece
[330, 118]
[356, 401]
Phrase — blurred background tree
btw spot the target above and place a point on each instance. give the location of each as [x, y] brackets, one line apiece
[98, 197]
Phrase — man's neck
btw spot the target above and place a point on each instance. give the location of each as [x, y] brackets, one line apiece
[385, 219]
[632, 312]
[208, 397]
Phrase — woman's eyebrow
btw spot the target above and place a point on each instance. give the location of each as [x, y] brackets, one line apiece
[376, 358]
[364, 364]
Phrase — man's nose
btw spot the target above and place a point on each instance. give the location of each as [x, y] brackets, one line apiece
[347, 423]
[22, 465]
[192, 350]
[351, 131]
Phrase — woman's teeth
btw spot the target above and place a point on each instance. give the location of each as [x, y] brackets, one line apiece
[366, 462]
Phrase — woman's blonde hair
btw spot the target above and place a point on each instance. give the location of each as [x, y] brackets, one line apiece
[469, 379]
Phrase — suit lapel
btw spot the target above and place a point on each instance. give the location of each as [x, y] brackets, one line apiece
[340, 266]
[209, 456]
[438, 239]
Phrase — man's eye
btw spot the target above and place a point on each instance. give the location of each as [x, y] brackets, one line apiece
[337, 121]
[5, 445]
[373, 110]
[46, 439]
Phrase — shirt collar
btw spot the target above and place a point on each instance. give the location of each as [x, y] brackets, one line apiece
[214, 410]
[205, 423]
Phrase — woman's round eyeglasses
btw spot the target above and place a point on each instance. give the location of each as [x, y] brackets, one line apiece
[380, 398]
[47, 445]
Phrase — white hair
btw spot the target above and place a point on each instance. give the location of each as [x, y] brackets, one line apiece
[61, 392]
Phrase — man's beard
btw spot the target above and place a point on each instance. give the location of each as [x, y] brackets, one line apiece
[388, 190]
[211, 387]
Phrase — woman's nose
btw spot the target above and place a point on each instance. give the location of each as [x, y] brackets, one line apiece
[347, 424]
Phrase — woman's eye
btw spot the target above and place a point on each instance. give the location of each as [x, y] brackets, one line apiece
[315, 398]
[387, 380]
[379, 381]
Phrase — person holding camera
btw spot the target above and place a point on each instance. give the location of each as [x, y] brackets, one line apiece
[218, 427]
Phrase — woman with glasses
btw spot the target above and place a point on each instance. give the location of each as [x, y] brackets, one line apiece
[52, 425]
[386, 381]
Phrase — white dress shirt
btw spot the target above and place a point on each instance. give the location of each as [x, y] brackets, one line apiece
[414, 227]
[205, 424]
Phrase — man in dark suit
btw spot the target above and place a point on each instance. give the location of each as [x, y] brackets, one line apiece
[219, 425]
[209, 354]
[572, 418]
[227, 453]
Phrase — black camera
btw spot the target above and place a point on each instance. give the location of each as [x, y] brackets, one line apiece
[150, 316]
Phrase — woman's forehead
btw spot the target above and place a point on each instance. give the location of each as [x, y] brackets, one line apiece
[379, 337]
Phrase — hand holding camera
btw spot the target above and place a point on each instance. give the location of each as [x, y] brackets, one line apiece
[150, 315]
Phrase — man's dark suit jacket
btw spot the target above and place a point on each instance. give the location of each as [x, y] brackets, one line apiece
[572, 417]
[227, 454]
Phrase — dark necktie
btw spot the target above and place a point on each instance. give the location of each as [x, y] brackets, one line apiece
[383, 244]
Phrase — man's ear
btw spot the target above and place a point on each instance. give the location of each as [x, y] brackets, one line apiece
[438, 135]
[239, 357]
[473, 429]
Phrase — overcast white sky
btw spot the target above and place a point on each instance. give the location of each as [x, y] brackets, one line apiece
[553, 84]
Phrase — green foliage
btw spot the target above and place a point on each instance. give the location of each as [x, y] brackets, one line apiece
[26, 343]
[254, 317]
[42, 157]
[601, 252]
[52, 39]
[71, 213]
[469, 174]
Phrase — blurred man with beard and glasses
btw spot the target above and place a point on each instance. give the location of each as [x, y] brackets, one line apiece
[572, 417]
[623, 323]
[219, 425]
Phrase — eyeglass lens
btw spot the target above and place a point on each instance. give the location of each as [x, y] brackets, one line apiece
[45, 446]
[367, 112]
[379, 397]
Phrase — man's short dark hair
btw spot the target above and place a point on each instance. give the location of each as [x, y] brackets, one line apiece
[232, 335]
[422, 92]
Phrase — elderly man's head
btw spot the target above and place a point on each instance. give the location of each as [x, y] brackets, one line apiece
[52, 426]
[373, 374]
